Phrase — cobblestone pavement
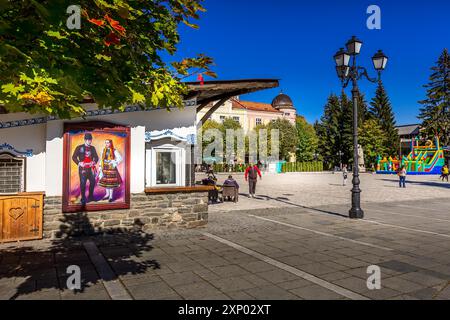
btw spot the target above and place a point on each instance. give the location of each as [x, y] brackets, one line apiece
[317, 189]
[303, 247]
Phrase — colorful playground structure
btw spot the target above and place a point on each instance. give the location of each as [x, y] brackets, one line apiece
[427, 159]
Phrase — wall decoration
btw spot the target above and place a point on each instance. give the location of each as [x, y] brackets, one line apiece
[91, 113]
[7, 147]
[96, 173]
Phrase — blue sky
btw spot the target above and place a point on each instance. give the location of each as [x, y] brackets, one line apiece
[295, 40]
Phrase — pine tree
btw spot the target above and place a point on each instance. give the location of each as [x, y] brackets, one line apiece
[435, 113]
[346, 128]
[335, 129]
[307, 140]
[373, 141]
[328, 131]
[381, 110]
[363, 112]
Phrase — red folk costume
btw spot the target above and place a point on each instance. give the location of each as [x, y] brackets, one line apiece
[110, 177]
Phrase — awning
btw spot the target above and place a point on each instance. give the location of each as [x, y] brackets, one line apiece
[225, 89]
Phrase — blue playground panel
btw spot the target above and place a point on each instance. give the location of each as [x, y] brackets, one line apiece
[280, 166]
[436, 170]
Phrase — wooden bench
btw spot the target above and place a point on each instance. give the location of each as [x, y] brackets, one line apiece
[230, 191]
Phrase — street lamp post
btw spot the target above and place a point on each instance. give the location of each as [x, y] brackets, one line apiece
[348, 71]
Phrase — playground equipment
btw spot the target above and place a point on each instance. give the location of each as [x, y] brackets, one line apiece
[427, 159]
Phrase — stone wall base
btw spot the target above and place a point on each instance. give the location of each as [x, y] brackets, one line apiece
[147, 212]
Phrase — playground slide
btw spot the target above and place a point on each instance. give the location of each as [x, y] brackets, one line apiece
[427, 159]
[432, 166]
[424, 162]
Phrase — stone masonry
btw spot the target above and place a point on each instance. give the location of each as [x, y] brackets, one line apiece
[147, 211]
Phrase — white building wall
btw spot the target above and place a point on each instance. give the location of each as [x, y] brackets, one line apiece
[137, 161]
[44, 170]
[54, 158]
[23, 138]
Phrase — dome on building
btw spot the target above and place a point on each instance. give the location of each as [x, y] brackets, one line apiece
[282, 101]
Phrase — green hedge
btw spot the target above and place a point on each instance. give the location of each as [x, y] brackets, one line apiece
[316, 166]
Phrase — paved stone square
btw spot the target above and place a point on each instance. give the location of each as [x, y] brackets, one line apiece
[294, 241]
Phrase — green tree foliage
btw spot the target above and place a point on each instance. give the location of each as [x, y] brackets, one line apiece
[346, 128]
[335, 129]
[288, 137]
[329, 132]
[210, 125]
[381, 110]
[115, 58]
[435, 112]
[227, 124]
[346, 123]
[373, 140]
[230, 124]
[307, 140]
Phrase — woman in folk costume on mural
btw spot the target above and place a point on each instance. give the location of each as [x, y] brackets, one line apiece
[108, 174]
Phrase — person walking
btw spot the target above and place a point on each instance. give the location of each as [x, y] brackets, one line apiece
[402, 176]
[344, 175]
[251, 175]
[444, 173]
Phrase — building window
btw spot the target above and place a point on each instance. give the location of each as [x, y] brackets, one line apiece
[237, 119]
[258, 121]
[12, 173]
[222, 119]
[165, 166]
[287, 114]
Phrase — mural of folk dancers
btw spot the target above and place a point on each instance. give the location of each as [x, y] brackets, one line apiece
[109, 177]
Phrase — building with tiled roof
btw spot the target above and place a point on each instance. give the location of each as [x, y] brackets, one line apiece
[251, 114]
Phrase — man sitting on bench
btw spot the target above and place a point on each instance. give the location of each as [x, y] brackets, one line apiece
[230, 182]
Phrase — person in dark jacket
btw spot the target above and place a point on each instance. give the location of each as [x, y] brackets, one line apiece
[251, 175]
[86, 158]
[231, 182]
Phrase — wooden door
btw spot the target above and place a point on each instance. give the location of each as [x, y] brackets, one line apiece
[21, 217]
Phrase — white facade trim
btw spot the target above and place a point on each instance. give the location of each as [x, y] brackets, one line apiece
[178, 157]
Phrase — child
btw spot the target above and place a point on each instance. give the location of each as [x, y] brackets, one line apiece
[402, 176]
[345, 175]
[444, 173]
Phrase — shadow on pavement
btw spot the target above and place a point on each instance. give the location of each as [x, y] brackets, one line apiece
[424, 183]
[46, 268]
[286, 201]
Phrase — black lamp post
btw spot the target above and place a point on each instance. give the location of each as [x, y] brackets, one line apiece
[347, 71]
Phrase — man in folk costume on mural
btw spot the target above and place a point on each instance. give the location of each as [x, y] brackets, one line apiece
[109, 174]
[86, 158]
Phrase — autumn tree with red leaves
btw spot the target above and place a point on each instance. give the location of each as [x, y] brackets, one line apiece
[114, 58]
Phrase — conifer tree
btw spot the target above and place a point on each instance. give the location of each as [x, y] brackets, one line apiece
[381, 110]
[435, 114]
[363, 111]
[346, 128]
[328, 131]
